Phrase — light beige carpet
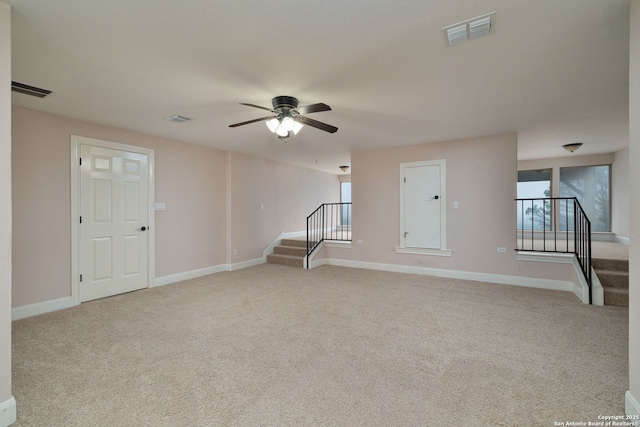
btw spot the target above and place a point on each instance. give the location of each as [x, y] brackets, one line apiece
[278, 346]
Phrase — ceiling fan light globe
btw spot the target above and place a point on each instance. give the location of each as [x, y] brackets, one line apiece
[273, 124]
[281, 131]
[296, 127]
[288, 123]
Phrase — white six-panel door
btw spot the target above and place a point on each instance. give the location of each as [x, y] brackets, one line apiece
[114, 228]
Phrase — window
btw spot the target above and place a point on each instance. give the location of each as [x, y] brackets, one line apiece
[591, 186]
[345, 197]
[534, 214]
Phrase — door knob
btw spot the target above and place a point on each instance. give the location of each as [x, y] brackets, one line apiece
[436, 197]
[143, 228]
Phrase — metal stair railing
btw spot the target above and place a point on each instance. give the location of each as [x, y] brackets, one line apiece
[556, 224]
[331, 221]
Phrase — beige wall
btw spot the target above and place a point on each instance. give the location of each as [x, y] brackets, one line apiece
[268, 198]
[620, 193]
[5, 204]
[190, 179]
[481, 177]
[634, 205]
[206, 192]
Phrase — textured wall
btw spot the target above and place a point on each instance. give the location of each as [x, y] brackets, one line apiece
[481, 176]
[620, 193]
[268, 198]
[634, 204]
[5, 203]
[190, 179]
[200, 227]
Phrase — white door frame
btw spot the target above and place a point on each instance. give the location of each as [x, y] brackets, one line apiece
[76, 141]
[443, 251]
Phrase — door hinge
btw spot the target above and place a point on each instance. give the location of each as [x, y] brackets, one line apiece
[81, 277]
[405, 179]
[405, 234]
[80, 219]
[80, 161]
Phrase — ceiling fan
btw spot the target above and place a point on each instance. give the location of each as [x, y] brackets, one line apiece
[288, 116]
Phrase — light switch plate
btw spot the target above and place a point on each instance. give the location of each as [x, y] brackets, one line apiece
[160, 206]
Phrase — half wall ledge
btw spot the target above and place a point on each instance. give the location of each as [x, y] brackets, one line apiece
[421, 251]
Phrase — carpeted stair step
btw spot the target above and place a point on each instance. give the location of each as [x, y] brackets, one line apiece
[290, 250]
[614, 279]
[616, 296]
[614, 276]
[610, 264]
[292, 260]
[300, 243]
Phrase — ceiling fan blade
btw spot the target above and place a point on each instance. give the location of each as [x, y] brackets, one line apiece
[250, 121]
[257, 106]
[316, 124]
[314, 108]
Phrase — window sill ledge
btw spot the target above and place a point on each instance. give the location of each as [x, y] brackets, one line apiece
[338, 243]
[421, 251]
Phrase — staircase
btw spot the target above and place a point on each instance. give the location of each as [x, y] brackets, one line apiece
[614, 276]
[289, 252]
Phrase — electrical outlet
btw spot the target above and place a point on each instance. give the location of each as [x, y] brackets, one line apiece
[502, 250]
[360, 242]
[235, 252]
[455, 205]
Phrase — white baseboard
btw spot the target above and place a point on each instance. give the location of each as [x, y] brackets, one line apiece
[8, 412]
[623, 240]
[186, 275]
[30, 310]
[25, 311]
[246, 264]
[579, 288]
[556, 285]
[631, 405]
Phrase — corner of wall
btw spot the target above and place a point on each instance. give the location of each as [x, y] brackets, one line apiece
[7, 402]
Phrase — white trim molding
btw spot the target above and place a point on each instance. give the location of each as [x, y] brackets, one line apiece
[43, 307]
[631, 405]
[623, 240]
[420, 251]
[186, 275]
[8, 414]
[580, 288]
[530, 282]
[246, 264]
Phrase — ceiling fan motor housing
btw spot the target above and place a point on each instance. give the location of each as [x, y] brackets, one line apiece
[284, 102]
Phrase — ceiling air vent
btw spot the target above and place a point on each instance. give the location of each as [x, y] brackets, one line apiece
[30, 90]
[178, 118]
[470, 29]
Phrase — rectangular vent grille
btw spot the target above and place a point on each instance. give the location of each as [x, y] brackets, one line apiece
[30, 90]
[469, 29]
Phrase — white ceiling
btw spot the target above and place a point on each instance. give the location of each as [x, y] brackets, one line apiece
[555, 71]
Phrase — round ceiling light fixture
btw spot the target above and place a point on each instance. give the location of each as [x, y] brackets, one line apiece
[572, 147]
